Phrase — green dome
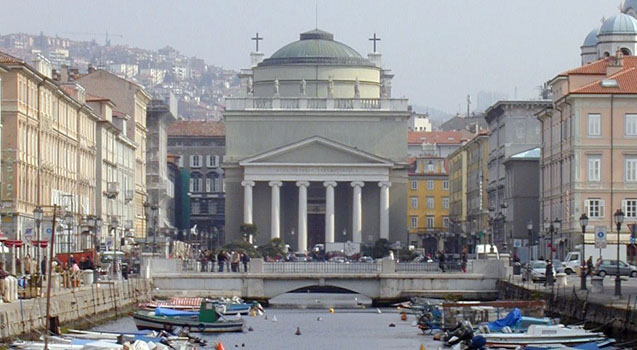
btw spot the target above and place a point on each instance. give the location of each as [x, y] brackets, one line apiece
[316, 47]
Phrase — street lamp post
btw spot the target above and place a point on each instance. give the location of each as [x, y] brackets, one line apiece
[583, 221]
[154, 208]
[492, 222]
[68, 220]
[38, 213]
[147, 214]
[619, 219]
[529, 226]
[557, 225]
[113, 227]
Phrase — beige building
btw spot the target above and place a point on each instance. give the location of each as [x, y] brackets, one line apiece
[589, 159]
[48, 150]
[468, 179]
[130, 99]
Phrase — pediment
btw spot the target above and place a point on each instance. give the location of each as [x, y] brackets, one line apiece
[316, 150]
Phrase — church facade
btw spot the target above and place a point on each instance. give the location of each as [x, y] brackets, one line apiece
[316, 147]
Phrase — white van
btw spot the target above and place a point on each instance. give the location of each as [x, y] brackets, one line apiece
[483, 249]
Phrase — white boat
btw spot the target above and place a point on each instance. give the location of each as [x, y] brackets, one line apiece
[543, 334]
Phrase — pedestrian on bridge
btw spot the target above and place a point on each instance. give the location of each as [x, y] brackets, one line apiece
[245, 259]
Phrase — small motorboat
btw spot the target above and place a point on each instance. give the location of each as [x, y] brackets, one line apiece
[206, 320]
[226, 306]
[543, 335]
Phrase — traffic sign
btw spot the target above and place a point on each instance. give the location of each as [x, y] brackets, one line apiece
[517, 243]
[600, 236]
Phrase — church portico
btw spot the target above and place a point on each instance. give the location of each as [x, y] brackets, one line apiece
[316, 147]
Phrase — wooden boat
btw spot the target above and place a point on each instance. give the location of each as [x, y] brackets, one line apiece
[543, 335]
[206, 320]
[226, 306]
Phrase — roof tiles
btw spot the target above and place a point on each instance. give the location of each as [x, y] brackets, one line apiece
[197, 128]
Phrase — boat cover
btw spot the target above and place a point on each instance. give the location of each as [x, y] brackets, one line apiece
[587, 346]
[510, 320]
[160, 311]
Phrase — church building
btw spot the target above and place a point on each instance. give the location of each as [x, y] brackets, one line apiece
[616, 34]
[316, 147]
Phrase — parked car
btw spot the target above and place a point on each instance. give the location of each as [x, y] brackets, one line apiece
[301, 256]
[337, 259]
[536, 271]
[609, 267]
[366, 259]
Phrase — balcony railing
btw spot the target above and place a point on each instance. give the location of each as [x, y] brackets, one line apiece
[312, 103]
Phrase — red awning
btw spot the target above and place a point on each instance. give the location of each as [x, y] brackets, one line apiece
[41, 244]
[10, 243]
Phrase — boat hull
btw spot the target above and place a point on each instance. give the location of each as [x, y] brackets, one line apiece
[192, 325]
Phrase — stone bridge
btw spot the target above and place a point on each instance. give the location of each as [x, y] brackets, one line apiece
[383, 282]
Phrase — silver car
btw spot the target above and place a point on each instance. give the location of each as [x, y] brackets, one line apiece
[609, 267]
[535, 271]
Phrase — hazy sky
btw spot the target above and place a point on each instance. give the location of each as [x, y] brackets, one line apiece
[438, 50]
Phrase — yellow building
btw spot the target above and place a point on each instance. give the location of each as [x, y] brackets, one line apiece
[428, 202]
[48, 150]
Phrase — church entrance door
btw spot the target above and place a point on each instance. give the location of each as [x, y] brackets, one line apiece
[315, 229]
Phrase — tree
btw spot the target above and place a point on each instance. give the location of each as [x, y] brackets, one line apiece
[273, 248]
[248, 230]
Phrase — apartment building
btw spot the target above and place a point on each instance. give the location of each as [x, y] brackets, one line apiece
[588, 155]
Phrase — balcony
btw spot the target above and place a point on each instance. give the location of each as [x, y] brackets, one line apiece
[312, 103]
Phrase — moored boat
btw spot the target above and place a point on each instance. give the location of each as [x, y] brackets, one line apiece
[206, 320]
[542, 335]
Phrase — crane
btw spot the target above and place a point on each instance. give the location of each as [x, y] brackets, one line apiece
[106, 35]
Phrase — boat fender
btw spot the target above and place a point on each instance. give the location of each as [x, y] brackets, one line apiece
[298, 331]
[219, 346]
[201, 327]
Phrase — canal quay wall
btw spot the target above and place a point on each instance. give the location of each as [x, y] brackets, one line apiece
[617, 317]
[80, 307]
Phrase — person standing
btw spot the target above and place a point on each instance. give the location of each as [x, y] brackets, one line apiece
[245, 259]
[548, 273]
[441, 261]
[221, 259]
[391, 255]
[27, 264]
[3, 283]
[235, 261]
[589, 266]
[463, 266]
[43, 266]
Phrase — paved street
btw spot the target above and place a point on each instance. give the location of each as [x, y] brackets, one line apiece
[629, 290]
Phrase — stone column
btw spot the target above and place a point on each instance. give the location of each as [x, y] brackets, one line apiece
[329, 211]
[247, 201]
[384, 208]
[357, 214]
[303, 185]
[275, 212]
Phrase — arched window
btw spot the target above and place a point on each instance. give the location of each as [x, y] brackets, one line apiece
[625, 51]
[606, 54]
[196, 182]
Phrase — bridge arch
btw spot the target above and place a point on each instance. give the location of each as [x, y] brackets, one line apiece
[368, 288]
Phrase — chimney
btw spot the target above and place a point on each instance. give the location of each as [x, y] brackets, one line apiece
[64, 74]
[74, 74]
[615, 63]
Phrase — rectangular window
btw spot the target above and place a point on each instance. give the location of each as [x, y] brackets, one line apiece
[430, 202]
[630, 207]
[413, 221]
[594, 125]
[595, 208]
[445, 185]
[631, 169]
[430, 222]
[430, 167]
[631, 124]
[209, 161]
[195, 161]
[208, 184]
[414, 185]
[445, 203]
[195, 207]
[594, 168]
[414, 202]
[430, 184]
[445, 221]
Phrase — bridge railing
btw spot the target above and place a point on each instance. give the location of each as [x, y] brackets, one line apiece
[432, 267]
[320, 267]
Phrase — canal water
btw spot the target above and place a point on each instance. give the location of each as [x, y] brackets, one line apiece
[351, 326]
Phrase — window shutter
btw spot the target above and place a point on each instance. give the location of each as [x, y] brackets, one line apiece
[601, 208]
[216, 161]
[208, 184]
[624, 207]
[200, 160]
[587, 208]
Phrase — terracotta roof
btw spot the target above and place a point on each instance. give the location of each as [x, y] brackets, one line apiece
[90, 97]
[196, 128]
[438, 137]
[599, 67]
[626, 84]
[67, 89]
[6, 58]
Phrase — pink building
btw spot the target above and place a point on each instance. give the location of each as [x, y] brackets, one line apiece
[589, 151]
